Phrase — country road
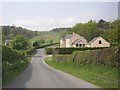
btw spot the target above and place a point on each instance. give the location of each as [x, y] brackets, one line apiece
[40, 75]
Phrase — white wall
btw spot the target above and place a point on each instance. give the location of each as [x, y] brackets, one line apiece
[68, 43]
[104, 43]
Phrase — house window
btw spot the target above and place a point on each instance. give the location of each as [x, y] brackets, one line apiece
[80, 45]
[83, 45]
[76, 45]
[99, 42]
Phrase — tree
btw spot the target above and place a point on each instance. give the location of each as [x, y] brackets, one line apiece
[88, 30]
[36, 44]
[51, 41]
[19, 42]
[103, 25]
[62, 34]
[41, 41]
[111, 34]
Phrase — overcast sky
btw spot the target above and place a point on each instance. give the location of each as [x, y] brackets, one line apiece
[48, 15]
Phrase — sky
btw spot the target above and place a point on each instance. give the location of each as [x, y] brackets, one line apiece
[44, 16]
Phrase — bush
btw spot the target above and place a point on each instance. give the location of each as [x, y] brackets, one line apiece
[71, 50]
[30, 51]
[61, 58]
[48, 50]
[10, 58]
[106, 57]
[45, 46]
[19, 43]
[13, 63]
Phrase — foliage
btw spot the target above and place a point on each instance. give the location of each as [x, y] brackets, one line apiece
[105, 56]
[13, 62]
[92, 29]
[19, 43]
[103, 25]
[111, 34]
[58, 30]
[70, 50]
[40, 41]
[11, 58]
[62, 34]
[36, 44]
[51, 41]
[47, 45]
[48, 50]
[12, 31]
[31, 50]
[88, 30]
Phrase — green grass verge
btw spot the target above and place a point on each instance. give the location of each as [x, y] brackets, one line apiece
[101, 76]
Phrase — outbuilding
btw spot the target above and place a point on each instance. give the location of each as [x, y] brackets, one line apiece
[98, 42]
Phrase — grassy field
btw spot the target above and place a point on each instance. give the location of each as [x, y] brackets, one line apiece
[101, 76]
[47, 36]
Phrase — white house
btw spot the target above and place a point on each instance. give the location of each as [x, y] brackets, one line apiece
[98, 42]
[73, 40]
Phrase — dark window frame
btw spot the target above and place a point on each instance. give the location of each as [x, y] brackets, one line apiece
[100, 42]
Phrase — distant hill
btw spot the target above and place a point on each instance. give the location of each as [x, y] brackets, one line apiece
[11, 31]
[57, 30]
[47, 36]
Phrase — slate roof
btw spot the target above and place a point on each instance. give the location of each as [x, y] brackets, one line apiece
[68, 36]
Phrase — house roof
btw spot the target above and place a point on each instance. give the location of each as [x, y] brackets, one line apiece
[68, 36]
[63, 39]
[78, 41]
[93, 40]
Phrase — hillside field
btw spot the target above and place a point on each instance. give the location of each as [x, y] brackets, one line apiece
[47, 36]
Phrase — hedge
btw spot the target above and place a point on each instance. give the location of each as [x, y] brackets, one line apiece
[61, 58]
[48, 50]
[30, 51]
[11, 58]
[44, 46]
[66, 50]
[13, 63]
[106, 56]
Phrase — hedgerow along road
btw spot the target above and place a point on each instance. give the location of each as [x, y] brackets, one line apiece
[41, 75]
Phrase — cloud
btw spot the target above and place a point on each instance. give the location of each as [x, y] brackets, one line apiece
[45, 23]
[69, 21]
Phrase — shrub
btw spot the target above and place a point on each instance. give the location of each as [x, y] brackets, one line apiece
[61, 58]
[48, 50]
[106, 57]
[10, 58]
[71, 50]
[30, 51]
[19, 42]
[47, 45]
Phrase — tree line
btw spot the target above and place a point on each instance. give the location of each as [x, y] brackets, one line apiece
[9, 32]
[107, 29]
